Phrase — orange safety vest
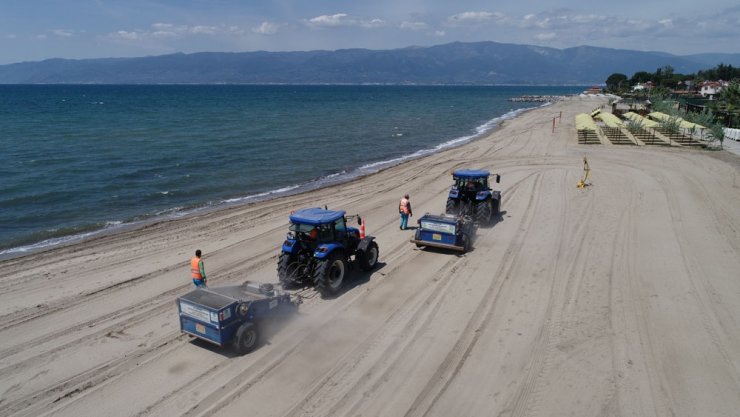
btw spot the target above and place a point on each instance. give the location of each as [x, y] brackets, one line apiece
[195, 268]
[404, 206]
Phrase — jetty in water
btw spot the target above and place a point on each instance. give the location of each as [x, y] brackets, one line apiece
[537, 99]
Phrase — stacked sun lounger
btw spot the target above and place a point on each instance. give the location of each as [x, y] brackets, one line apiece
[613, 129]
[587, 130]
[646, 131]
[686, 129]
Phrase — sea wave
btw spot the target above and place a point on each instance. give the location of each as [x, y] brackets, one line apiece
[64, 239]
[324, 181]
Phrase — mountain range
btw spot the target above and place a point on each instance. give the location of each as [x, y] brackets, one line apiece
[472, 63]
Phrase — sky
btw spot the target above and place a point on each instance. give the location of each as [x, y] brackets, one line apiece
[34, 30]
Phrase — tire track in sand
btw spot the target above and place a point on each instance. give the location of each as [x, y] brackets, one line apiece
[250, 377]
[343, 390]
[456, 357]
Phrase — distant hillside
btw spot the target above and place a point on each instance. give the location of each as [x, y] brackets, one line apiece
[711, 60]
[454, 63]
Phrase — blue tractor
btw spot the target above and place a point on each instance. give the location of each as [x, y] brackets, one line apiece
[320, 248]
[471, 195]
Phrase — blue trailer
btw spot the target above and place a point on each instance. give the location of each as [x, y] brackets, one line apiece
[445, 231]
[232, 315]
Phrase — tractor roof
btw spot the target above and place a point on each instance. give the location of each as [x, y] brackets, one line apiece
[471, 173]
[316, 216]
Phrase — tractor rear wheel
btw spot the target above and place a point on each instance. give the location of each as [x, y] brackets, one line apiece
[496, 207]
[329, 274]
[246, 338]
[368, 258]
[452, 207]
[483, 211]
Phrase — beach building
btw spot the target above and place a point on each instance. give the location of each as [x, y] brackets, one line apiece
[709, 89]
[649, 85]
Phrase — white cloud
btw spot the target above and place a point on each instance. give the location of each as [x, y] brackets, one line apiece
[344, 20]
[163, 31]
[168, 30]
[40, 37]
[589, 18]
[266, 28]
[545, 36]
[440, 33]
[373, 23]
[204, 30]
[62, 33]
[339, 19]
[131, 36]
[473, 18]
[413, 25]
[234, 30]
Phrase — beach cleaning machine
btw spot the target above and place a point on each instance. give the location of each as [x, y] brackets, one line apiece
[233, 315]
[445, 231]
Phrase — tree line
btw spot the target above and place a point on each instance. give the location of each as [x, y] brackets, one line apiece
[725, 108]
[666, 78]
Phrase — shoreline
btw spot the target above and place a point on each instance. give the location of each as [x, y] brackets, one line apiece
[115, 227]
[631, 278]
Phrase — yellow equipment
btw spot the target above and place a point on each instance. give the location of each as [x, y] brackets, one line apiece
[586, 174]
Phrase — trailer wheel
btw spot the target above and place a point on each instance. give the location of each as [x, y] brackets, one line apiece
[246, 338]
[452, 207]
[369, 257]
[330, 274]
[465, 243]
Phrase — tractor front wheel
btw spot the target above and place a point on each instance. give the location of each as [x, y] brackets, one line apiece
[452, 207]
[246, 338]
[368, 258]
[330, 273]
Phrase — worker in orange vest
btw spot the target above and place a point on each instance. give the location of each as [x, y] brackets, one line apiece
[197, 270]
[404, 208]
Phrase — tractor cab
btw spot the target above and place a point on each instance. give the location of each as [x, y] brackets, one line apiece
[470, 182]
[317, 226]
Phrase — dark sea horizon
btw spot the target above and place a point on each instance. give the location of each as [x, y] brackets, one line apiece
[79, 160]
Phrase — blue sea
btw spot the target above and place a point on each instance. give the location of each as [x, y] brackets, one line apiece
[80, 159]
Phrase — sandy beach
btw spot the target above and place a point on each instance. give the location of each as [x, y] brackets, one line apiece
[620, 299]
